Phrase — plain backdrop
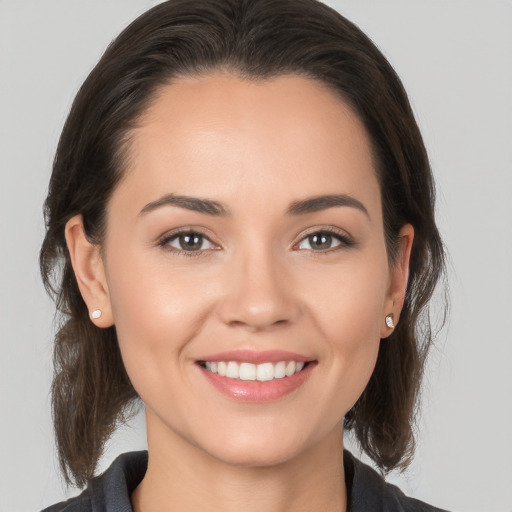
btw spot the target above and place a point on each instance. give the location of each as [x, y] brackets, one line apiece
[455, 58]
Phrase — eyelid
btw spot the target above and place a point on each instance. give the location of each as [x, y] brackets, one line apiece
[164, 240]
[346, 240]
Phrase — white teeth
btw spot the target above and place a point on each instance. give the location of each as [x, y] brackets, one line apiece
[211, 366]
[247, 371]
[265, 372]
[232, 370]
[290, 368]
[221, 368]
[280, 370]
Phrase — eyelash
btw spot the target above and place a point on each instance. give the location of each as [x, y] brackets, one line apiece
[166, 239]
[345, 241]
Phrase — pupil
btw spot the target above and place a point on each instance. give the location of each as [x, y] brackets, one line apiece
[321, 241]
[190, 242]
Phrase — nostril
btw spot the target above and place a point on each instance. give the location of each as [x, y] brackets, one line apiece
[257, 307]
[256, 325]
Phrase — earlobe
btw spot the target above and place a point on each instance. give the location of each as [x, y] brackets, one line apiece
[399, 276]
[89, 272]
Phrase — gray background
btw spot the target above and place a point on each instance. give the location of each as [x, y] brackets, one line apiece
[455, 58]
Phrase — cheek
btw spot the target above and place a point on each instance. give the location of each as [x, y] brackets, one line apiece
[348, 309]
[156, 314]
[349, 300]
[149, 295]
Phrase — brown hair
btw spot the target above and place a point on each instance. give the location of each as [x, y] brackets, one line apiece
[255, 39]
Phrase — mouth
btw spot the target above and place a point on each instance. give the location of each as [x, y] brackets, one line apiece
[256, 377]
[246, 371]
[262, 372]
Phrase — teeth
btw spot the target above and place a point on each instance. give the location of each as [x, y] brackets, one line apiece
[265, 372]
[248, 371]
[290, 369]
[212, 367]
[233, 370]
[280, 370]
[221, 369]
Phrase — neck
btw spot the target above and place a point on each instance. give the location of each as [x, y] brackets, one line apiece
[181, 476]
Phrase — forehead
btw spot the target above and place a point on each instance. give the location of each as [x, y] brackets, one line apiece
[280, 138]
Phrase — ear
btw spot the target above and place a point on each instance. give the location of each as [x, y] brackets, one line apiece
[89, 272]
[398, 277]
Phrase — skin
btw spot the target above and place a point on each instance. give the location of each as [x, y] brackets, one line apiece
[256, 283]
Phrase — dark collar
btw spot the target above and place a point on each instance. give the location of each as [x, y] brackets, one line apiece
[367, 491]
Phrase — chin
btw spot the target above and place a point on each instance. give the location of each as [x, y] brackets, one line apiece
[262, 449]
[256, 456]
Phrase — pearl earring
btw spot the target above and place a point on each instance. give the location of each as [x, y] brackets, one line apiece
[389, 321]
[96, 313]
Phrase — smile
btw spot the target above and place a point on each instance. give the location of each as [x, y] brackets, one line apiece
[249, 371]
[256, 376]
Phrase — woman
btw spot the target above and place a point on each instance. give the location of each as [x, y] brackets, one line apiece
[242, 213]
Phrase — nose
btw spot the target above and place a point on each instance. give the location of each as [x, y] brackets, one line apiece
[258, 293]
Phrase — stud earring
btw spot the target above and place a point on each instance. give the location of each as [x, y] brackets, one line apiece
[389, 321]
[96, 313]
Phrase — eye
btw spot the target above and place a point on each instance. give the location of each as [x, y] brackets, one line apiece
[188, 241]
[321, 241]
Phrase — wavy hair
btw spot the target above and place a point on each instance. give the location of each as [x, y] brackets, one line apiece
[254, 39]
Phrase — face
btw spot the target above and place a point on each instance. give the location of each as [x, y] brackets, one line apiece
[247, 237]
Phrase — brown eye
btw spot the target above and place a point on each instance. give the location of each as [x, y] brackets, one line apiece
[323, 241]
[320, 241]
[189, 242]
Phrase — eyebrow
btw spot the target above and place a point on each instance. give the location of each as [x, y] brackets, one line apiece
[196, 204]
[214, 208]
[318, 203]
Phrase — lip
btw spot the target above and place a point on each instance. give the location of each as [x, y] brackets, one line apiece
[256, 356]
[255, 392]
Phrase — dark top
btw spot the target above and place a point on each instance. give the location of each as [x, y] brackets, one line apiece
[110, 492]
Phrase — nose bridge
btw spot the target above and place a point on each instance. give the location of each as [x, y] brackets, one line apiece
[258, 293]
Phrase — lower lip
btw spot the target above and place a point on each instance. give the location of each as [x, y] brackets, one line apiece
[251, 391]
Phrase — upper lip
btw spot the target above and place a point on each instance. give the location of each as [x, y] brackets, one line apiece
[256, 356]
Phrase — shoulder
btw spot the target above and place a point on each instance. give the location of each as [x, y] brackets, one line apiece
[80, 503]
[110, 491]
[368, 491]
